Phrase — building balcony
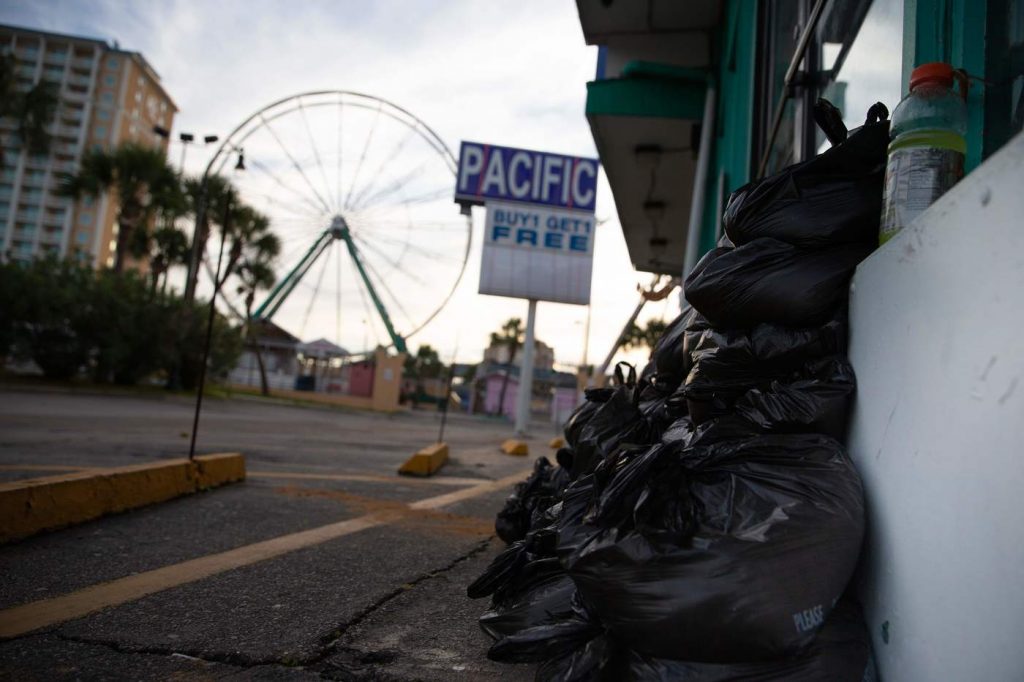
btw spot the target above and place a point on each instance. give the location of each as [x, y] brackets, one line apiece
[63, 166]
[56, 58]
[75, 95]
[54, 218]
[52, 237]
[82, 63]
[75, 79]
[67, 148]
[63, 130]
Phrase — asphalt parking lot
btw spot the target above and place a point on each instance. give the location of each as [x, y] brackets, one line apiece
[322, 564]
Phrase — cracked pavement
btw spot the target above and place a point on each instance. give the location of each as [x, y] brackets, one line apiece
[384, 603]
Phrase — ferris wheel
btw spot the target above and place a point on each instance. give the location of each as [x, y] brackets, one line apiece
[359, 191]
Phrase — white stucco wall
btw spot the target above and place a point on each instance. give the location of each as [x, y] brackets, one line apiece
[937, 323]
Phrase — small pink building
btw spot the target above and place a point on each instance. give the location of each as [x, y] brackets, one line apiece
[554, 393]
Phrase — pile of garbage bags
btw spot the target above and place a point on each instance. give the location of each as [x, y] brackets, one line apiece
[704, 519]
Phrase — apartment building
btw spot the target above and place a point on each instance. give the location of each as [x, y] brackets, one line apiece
[107, 96]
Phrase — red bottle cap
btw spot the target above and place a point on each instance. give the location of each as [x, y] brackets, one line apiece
[940, 73]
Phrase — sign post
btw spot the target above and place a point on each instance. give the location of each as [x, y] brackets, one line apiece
[525, 392]
[538, 235]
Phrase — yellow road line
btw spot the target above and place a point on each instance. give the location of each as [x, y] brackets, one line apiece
[370, 478]
[26, 618]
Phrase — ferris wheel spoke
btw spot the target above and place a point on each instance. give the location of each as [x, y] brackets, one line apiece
[337, 196]
[424, 198]
[273, 133]
[297, 213]
[362, 157]
[389, 190]
[426, 253]
[316, 153]
[283, 185]
[394, 263]
[371, 183]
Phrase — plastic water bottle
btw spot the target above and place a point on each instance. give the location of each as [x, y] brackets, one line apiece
[926, 154]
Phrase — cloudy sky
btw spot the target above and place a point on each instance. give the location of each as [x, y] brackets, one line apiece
[510, 73]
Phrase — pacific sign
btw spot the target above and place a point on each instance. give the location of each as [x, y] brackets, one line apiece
[492, 173]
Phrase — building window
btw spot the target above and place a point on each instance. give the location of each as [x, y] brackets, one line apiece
[1004, 73]
[85, 219]
[107, 97]
[112, 62]
[110, 80]
[103, 114]
[82, 237]
[854, 59]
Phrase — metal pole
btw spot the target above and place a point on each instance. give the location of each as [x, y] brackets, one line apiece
[447, 399]
[209, 331]
[586, 348]
[448, 392]
[699, 187]
[193, 259]
[526, 374]
[600, 372]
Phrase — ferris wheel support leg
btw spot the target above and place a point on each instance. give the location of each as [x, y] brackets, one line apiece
[396, 338]
[267, 309]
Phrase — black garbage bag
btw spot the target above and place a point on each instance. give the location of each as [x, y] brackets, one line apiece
[767, 280]
[548, 600]
[614, 422]
[834, 198]
[731, 547]
[728, 363]
[581, 416]
[817, 402]
[594, 660]
[841, 652]
[671, 355]
[547, 641]
[538, 491]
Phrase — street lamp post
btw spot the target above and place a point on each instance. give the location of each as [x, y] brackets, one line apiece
[186, 139]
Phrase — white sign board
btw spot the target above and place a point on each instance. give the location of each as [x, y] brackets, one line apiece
[537, 252]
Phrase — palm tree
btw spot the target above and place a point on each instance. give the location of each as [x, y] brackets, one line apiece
[141, 178]
[32, 110]
[170, 249]
[649, 335]
[218, 196]
[253, 250]
[511, 336]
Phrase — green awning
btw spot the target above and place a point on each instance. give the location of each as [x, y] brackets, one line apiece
[652, 90]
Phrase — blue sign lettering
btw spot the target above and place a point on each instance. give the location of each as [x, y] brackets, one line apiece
[489, 172]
